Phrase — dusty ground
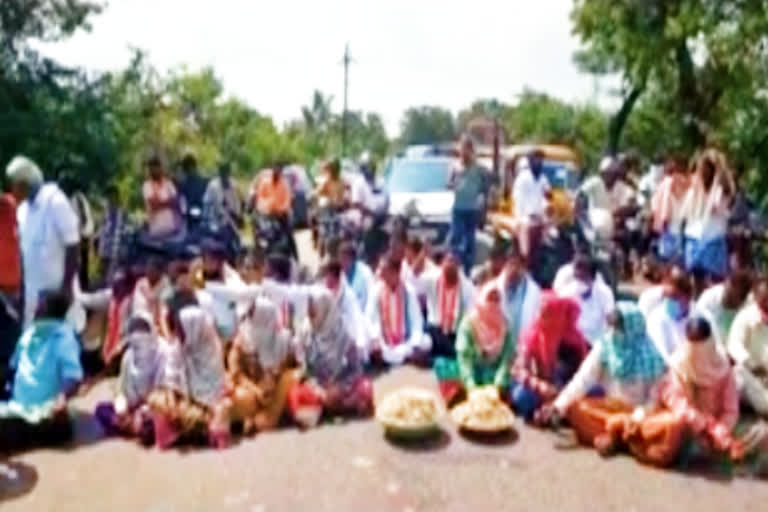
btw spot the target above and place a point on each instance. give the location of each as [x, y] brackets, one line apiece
[350, 466]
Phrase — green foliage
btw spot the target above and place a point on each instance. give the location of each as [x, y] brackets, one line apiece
[700, 66]
[426, 125]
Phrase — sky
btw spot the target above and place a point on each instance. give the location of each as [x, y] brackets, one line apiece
[274, 54]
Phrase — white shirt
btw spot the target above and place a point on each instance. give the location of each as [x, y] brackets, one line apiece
[748, 340]
[416, 338]
[598, 196]
[595, 308]
[710, 306]
[420, 282]
[529, 194]
[362, 282]
[47, 226]
[650, 298]
[565, 275]
[465, 298]
[665, 332]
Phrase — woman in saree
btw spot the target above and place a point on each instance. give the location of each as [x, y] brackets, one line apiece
[261, 368]
[192, 402]
[332, 363]
[701, 395]
[140, 373]
[628, 367]
[549, 352]
[484, 349]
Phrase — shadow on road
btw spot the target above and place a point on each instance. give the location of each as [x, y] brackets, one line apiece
[498, 439]
[16, 480]
[441, 439]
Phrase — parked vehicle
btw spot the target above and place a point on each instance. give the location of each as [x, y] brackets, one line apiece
[418, 188]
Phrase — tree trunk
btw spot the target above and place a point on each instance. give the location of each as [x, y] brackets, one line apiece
[619, 119]
[689, 95]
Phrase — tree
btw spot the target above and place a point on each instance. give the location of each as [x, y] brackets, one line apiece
[51, 113]
[426, 125]
[692, 55]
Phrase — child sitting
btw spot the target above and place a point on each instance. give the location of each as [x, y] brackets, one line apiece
[47, 372]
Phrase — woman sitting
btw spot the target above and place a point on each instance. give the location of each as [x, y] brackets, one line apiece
[331, 361]
[484, 348]
[550, 351]
[47, 371]
[191, 403]
[627, 366]
[140, 374]
[701, 393]
[261, 368]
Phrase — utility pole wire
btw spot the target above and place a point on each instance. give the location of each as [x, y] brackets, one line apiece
[347, 60]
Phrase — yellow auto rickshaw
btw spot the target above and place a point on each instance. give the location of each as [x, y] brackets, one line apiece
[561, 166]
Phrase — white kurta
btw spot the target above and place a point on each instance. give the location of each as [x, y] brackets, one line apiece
[417, 339]
[464, 303]
[531, 303]
[595, 308]
[748, 347]
[665, 332]
[47, 226]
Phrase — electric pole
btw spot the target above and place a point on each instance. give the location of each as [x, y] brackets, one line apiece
[347, 60]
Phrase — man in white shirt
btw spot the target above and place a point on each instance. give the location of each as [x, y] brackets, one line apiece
[357, 274]
[520, 294]
[530, 194]
[418, 264]
[720, 303]
[748, 347]
[222, 202]
[48, 231]
[667, 319]
[607, 191]
[595, 298]
[395, 320]
[449, 295]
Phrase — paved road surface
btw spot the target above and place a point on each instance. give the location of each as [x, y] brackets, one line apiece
[350, 466]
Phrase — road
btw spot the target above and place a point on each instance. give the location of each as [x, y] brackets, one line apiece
[349, 466]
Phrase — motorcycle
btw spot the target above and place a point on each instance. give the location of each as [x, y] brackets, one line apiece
[271, 235]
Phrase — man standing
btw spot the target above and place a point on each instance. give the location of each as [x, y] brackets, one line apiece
[530, 195]
[48, 229]
[469, 182]
[223, 209]
[191, 185]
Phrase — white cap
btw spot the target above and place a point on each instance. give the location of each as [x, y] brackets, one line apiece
[23, 170]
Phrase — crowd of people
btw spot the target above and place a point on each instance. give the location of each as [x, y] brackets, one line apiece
[208, 345]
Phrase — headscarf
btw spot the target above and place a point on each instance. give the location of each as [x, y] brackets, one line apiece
[201, 357]
[328, 343]
[23, 170]
[488, 322]
[627, 352]
[542, 339]
[142, 363]
[699, 363]
[261, 336]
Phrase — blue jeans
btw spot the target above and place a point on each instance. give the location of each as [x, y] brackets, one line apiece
[463, 226]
